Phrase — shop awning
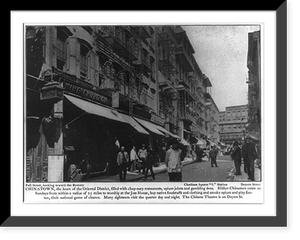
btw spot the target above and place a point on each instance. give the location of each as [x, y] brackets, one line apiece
[211, 142]
[199, 141]
[253, 135]
[96, 109]
[167, 132]
[134, 124]
[184, 142]
[150, 126]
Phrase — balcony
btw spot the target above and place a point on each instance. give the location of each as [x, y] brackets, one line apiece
[207, 97]
[189, 117]
[165, 82]
[167, 40]
[183, 80]
[144, 32]
[119, 41]
[184, 59]
[191, 75]
[167, 62]
[143, 64]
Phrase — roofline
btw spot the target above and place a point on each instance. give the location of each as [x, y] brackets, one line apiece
[235, 106]
[186, 36]
[213, 101]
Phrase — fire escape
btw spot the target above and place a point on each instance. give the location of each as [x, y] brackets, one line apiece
[143, 63]
[167, 84]
[167, 62]
[120, 39]
[123, 45]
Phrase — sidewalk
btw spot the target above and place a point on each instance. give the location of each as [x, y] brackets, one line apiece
[244, 176]
[132, 176]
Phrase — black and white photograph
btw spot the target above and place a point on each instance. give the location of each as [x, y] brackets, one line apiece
[142, 103]
[148, 118]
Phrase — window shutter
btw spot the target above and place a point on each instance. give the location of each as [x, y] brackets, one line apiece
[73, 54]
[97, 70]
[91, 68]
[89, 65]
[77, 59]
[68, 55]
[54, 46]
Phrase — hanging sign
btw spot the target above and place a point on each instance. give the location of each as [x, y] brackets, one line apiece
[84, 92]
[115, 99]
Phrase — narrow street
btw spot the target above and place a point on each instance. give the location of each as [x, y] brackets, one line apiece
[201, 171]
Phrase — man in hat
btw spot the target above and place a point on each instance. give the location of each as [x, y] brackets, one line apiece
[236, 157]
[122, 160]
[173, 162]
[249, 154]
[142, 154]
[149, 164]
[199, 154]
[213, 156]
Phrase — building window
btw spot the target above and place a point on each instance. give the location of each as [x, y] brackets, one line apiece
[83, 61]
[152, 67]
[83, 67]
[61, 52]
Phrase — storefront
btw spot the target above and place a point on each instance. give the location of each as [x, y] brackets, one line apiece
[158, 139]
[91, 131]
[75, 135]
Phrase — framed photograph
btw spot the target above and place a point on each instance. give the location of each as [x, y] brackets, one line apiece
[131, 120]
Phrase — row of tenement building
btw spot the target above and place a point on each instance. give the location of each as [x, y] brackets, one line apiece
[90, 86]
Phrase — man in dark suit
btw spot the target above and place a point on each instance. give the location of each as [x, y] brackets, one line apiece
[249, 155]
[122, 161]
[236, 157]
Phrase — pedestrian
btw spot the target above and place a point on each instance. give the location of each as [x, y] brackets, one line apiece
[199, 153]
[162, 153]
[173, 162]
[149, 164]
[236, 157]
[213, 156]
[142, 154]
[122, 160]
[243, 154]
[133, 159]
[249, 155]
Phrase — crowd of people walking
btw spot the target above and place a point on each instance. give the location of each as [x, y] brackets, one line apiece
[142, 161]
